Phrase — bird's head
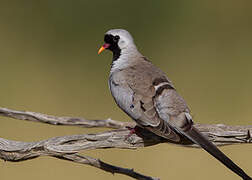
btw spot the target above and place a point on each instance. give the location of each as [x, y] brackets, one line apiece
[117, 40]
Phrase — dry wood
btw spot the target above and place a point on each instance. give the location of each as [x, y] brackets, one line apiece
[67, 147]
[54, 120]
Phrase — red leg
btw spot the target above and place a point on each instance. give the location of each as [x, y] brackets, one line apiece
[132, 131]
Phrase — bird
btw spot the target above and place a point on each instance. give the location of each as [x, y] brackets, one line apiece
[148, 96]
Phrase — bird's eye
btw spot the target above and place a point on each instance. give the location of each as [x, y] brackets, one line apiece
[116, 38]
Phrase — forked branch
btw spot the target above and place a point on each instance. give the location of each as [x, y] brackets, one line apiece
[68, 147]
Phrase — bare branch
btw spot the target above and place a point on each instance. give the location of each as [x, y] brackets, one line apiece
[68, 147]
[70, 121]
[61, 148]
[106, 167]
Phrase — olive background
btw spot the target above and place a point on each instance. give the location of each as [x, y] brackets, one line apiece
[49, 64]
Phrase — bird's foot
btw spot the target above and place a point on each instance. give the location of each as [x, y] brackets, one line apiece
[133, 130]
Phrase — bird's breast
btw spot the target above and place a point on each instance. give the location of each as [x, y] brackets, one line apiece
[123, 96]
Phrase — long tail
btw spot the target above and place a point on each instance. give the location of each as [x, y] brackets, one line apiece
[198, 138]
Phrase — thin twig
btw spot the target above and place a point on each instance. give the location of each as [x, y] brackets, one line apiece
[54, 120]
[105, 166]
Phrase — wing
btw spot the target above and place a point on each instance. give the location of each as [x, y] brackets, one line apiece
[172, 109]
[149, 118]
[134, 96]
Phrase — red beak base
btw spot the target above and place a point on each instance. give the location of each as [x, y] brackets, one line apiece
[104, 46]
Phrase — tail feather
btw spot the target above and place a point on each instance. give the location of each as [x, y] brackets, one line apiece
[194, 135]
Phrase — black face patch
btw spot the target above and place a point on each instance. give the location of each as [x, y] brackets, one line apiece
[113, 45]
[112, 40]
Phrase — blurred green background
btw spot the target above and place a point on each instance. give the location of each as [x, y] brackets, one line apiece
[49, 64]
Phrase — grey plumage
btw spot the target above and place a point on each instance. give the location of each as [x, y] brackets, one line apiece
[145, 93]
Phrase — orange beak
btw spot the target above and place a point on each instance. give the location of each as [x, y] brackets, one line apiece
[104, 46]
[101, 49]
